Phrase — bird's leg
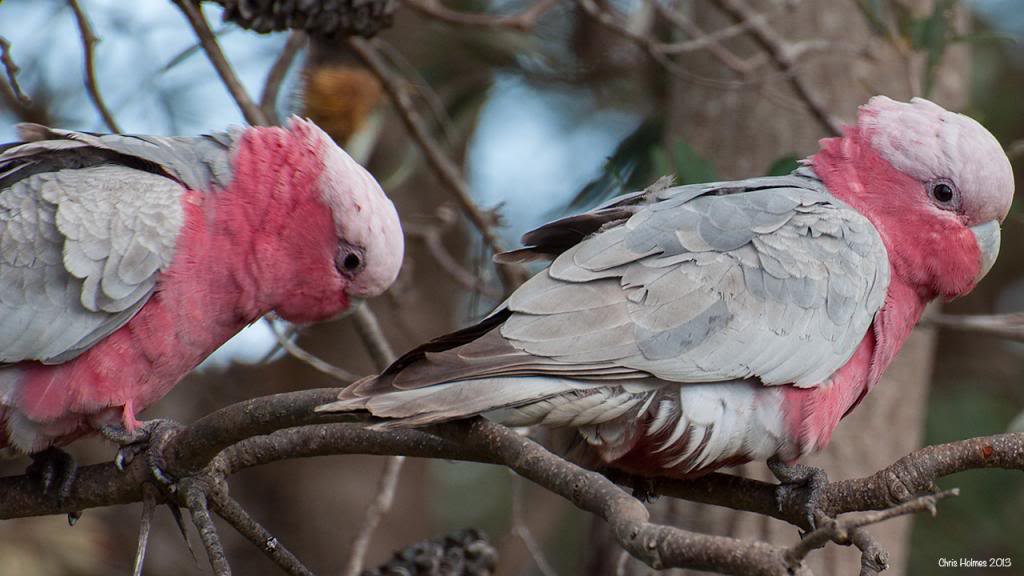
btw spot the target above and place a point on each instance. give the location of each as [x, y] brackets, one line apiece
[810, 481]
[645, 489]
[148, 438]
[54, 467]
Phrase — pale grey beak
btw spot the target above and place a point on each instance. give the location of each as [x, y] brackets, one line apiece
[987, 237]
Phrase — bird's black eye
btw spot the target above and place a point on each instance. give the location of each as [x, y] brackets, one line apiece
[351, 262]
[944, 194]
[349, 259]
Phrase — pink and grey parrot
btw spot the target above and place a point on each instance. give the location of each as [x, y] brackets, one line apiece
[126, 260]
[684, 329]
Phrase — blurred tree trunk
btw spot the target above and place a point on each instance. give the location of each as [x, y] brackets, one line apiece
[742, 131]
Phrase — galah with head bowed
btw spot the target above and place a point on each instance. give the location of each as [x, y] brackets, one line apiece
[684, 329]
[126, 260]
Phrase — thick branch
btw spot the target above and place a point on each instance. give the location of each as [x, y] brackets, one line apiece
[273, 428]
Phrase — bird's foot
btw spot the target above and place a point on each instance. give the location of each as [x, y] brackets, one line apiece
[149, 440]
[805, 483]
[55, 469]
[645, 489]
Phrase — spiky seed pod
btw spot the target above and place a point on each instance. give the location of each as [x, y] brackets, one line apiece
[462, 553]
[339, 98]
[327, 18]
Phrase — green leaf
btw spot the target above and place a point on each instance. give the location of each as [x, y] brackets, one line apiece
[691, 168]
[784, 165]
[875, 14]
[624, 167]
[983, 38]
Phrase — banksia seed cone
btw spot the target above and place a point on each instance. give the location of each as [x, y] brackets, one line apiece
[339, 98]
[462, 553]
[328, 18]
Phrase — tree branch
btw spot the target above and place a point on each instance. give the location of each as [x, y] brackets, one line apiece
[89, 41]
[780, 52]
[253, 114]
[1009, 326]
[276, 76]
[284, 426]
[444, 168]
[12, 72]
[522, 21]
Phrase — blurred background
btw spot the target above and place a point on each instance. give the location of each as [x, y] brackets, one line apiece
[595, 98]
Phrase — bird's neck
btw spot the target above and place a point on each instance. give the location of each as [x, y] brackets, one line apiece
[241, 241]
[933, 256]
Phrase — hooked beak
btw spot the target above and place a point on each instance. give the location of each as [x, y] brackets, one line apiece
[987, 237]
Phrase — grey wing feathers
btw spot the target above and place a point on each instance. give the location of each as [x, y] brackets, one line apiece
[771, 278]
[87, 222]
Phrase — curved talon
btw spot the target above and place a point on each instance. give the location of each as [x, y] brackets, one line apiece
[148, 439]
[54, 467]
[809, 481]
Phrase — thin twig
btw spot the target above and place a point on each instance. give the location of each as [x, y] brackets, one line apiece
[432, 237]
[368, 328]
[89, 41]
[145, 524]
[444, 168]
[278, 71]
[315, 362]
[194, 14]
[380, 350]
[376, 510]
[522, 530]
[195, 498]
[230, 510]
[1009, 326]
[837, 530]
[779, 51]
[12, 72]
[523, 21]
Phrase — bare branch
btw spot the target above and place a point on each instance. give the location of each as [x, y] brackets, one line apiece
[838, 530]
[432, 237]
[779, 51]
[89, 41]
[231, 511]
[278, 71]
[443, 167]
[247, 431]
[315, 362]
[368, 328]
[522, 530]
[380, 506]
[253, 114]
[12, 72]
[1009, 326]
[195, 497]
[523, 21]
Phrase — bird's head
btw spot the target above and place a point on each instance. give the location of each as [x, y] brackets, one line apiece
[358, 253]
[935, 183]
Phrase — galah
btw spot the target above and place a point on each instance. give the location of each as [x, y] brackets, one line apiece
[678, 330]
[125, 260]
